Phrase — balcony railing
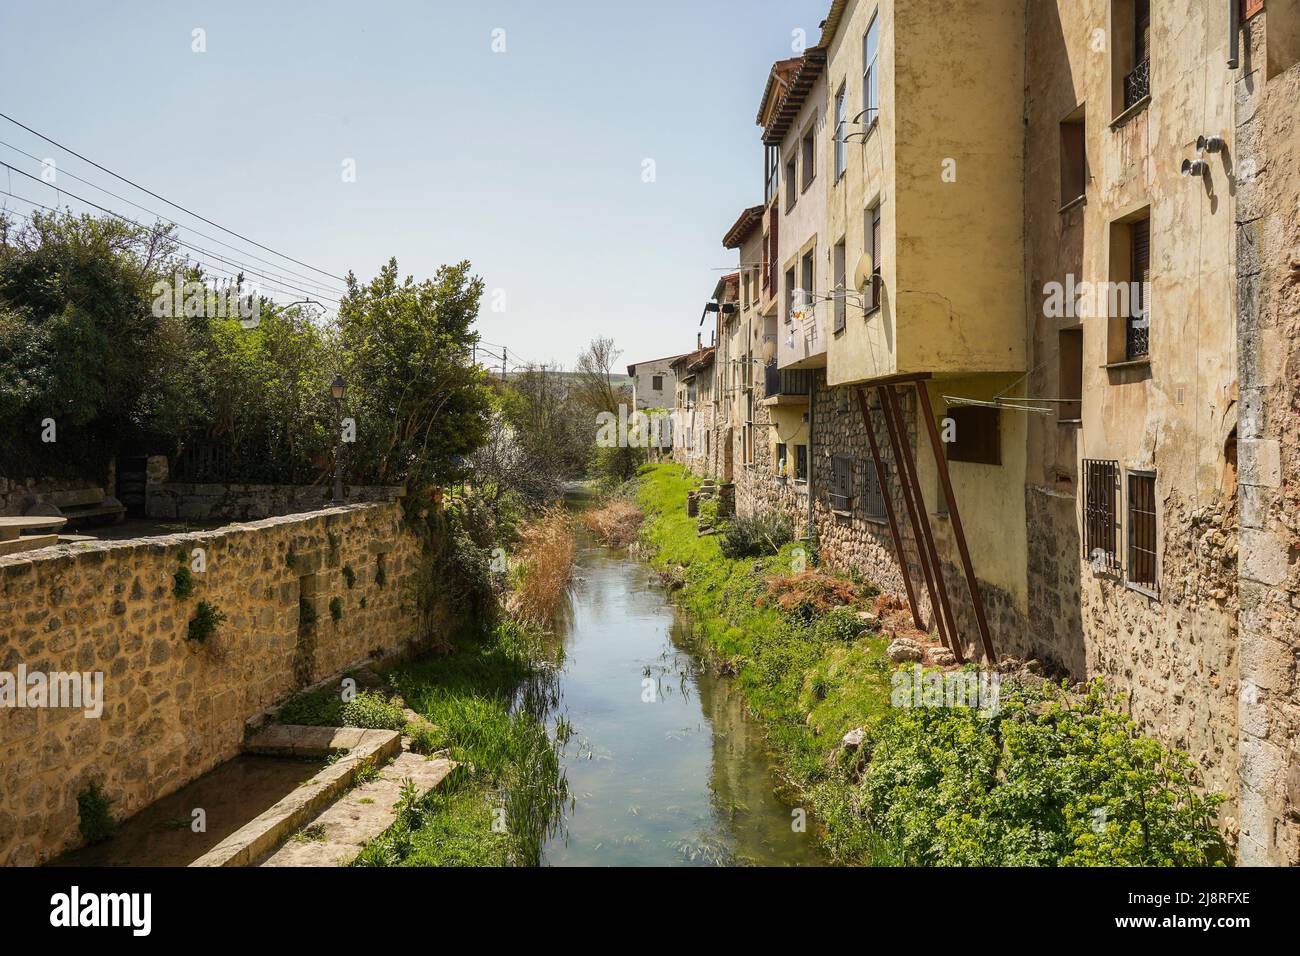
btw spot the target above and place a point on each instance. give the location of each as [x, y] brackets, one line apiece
[785, 381]
[1137, 85]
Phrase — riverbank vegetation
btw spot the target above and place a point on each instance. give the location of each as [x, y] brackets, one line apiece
[615, 523]
[1046, 778]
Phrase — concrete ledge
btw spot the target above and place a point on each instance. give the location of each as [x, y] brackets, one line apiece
[265, 832]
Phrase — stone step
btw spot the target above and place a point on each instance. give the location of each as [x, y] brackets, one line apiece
[268, 830]
[337, 835]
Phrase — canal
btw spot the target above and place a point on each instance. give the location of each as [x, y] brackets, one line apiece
[664, 767]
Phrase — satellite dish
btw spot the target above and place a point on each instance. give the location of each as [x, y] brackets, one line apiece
[863, 270]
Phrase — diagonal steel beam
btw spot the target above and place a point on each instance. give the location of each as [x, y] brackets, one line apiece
[869, 421]
[926, 535]
[954, 516]
[923, 556]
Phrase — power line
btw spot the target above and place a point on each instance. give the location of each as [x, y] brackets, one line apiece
[305, 279]
[271, 285]
[141, 225]
[168, 201]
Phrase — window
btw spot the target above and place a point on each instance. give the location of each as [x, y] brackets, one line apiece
[1074, 164]
[1070, 375]
[800, 462]
[781, 459]
[1131, 52]
[872, 245]
[1137, 339]
[745, 285]
[791, 182]
[769, 264]
[1142, 531]
[809, 157]
[841, 118]
[876, 488]
[1100, 489]
[807, 277]
[842, 483]
[789, 294]
[771, 163]
[976, 435]
[839, 290]
[870, 73]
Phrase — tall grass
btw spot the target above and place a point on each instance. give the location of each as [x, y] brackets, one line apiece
[615, 523]
[486, 703]
[545, 568]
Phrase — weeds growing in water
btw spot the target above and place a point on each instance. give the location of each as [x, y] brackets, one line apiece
[486, 701]
[616, 523]
[547, 551]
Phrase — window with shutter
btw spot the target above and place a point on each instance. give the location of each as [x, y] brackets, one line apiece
[841, 307]
[842, 483]
[876, 489]
[1100, 491]
[1142, 531]
[873, 247]
[1137, 341]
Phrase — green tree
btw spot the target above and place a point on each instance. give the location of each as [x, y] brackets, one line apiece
[419, 402]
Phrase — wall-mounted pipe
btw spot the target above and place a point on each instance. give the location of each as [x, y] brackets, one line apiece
[1234, 33]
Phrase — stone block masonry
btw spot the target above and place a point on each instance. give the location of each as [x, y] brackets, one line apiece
[304, 597]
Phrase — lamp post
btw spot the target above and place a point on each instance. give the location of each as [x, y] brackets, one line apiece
[337, 388]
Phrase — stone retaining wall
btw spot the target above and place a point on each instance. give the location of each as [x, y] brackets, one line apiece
[174, 708]
[228, 502]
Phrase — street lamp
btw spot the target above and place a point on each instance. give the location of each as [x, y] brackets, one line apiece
[337, 388]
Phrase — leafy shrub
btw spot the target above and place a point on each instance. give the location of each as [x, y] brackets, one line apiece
[372, 711]
[349, 575]
[839, 624]
[424, 738]
[708, 512]
[1048, 780]
[94, 819]
[183, 582]
[306, 614]
[207, 618]
[746, 536]
[336, 609]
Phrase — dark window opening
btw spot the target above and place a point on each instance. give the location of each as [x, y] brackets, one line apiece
[801, 462]
[977, 435]
[657, 383]
[1070, 382]
[1074, 164]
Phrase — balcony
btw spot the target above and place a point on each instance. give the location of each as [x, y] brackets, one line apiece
[1137, 84]
[801, 343]
[785, 386]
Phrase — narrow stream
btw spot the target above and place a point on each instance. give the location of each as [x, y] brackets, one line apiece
[664, 767]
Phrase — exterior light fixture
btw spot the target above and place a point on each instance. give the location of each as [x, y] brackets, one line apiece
[338, 387]
[1195, 167]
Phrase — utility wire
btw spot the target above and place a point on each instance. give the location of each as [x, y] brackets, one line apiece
[133, 222]
[168, 201]
[289, 272]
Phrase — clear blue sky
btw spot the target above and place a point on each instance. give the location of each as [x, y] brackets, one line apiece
[527, 162]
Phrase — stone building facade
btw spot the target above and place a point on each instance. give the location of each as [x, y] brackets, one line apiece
[1132, 513]
[1267, 158]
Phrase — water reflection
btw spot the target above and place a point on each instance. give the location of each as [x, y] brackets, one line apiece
[663, 766]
